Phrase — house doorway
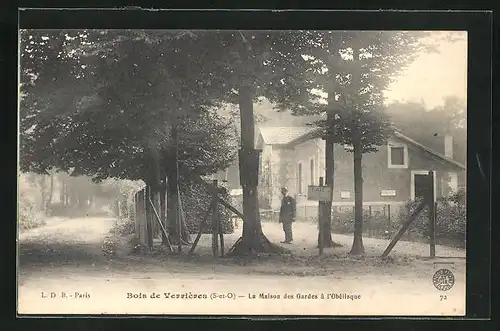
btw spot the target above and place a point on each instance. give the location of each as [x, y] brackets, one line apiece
[419, 184]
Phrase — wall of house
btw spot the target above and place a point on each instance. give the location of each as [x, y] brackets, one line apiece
[376, 173]
[377, 176]
[283, 174]
[284, 164]
[265, 188]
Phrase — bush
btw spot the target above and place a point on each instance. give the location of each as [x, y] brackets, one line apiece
[450, 221]
[30, 215]
[343, 222]
[195, 203]
[450, 218]
[124, 227]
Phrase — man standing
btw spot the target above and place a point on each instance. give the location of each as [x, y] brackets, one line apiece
[287, 215]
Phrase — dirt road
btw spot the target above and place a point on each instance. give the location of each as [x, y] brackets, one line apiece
[63, 271]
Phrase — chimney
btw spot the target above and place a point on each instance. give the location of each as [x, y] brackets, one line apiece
[448, 146]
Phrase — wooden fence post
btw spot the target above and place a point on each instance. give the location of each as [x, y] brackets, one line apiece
[136, 221]
[178, 218]
[145, 217]
[320, 221]
[136, 215]
[215, 221]
[149, 218]
[163, 211]
[389, 225]
[156, 215]
[369, 222]
[221, 234]
[142, 217]
[431, 203]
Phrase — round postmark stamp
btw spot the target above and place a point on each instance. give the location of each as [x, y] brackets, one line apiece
[443, 279]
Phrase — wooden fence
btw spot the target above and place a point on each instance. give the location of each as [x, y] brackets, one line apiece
[150, 218]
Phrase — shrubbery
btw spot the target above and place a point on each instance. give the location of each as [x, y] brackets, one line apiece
[124, 227]
[377, 223]
[450, 218]
[195, 203]
[30, 215]
[450, 221]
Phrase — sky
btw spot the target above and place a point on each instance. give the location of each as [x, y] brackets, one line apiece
[431, 77]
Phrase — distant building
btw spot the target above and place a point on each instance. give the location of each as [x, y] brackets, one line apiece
[230, 176]
[294, 157]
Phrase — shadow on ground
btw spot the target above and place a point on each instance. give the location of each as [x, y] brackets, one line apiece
[53, 254]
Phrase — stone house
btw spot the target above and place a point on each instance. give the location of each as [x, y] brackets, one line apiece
[294, 157]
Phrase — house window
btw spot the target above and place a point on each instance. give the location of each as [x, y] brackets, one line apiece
[311, 171]
[397, 156]
[300, 179]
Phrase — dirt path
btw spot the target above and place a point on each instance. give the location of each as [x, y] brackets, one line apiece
[74, 242]
[63, 270]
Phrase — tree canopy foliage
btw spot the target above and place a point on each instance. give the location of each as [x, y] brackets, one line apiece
[117, 93]
[429, 125]
[104, 102]
[345, 73]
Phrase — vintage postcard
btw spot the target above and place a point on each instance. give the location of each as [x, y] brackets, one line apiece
[210, 172]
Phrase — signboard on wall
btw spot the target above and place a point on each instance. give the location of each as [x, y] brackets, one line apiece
[319, 193]
[388, 193]
[345, 194]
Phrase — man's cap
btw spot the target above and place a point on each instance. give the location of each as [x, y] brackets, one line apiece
[284, 189]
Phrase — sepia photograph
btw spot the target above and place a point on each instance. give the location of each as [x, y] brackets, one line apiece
[242, 172]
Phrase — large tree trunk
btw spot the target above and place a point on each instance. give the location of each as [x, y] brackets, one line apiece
[163, 214]
[327, 206]
[161, 164]
[185, 231]
[174, 218]
[253, 239]
[357, 245]
[329, 147]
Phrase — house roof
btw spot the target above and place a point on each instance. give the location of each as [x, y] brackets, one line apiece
[401, 136]
[276, 135]
[291, 136]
